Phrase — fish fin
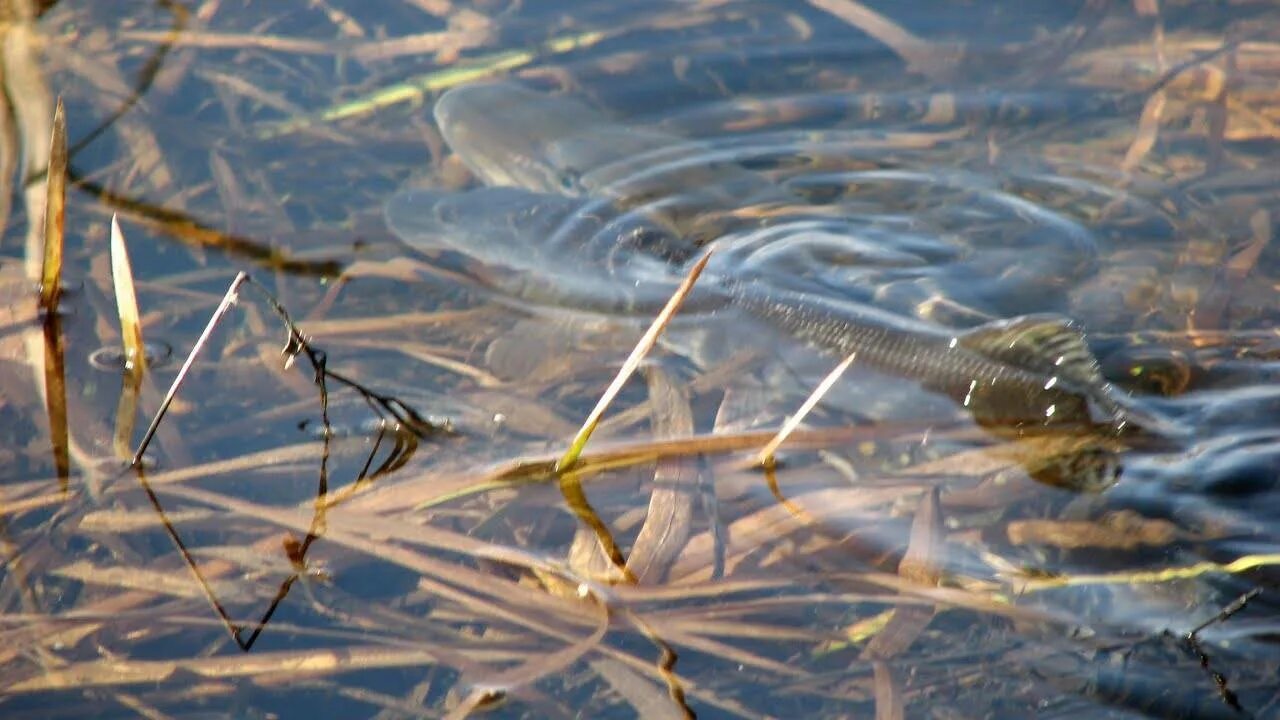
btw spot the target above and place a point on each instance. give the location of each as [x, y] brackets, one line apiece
[1047, 344]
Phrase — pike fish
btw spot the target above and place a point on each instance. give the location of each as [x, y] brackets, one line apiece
[553, 162]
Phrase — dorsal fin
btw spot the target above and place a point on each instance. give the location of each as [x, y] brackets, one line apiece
[1047, 344]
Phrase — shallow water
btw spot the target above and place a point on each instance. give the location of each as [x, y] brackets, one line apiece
[945, 164]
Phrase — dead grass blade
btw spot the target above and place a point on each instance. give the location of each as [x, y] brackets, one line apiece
[775, 489]
[765, 457]
[857, 632]
[431, 356]
[135, 355]
[9, 141]
[1235, 270]
[669, 518]
[284, 458]
[719, 589]
[482, 594]
[642, 348]
[510, 681]
[121, 671]
[124, 522]
[921, 564]
[889, 705]
[696, 641]
[1241, 264]
[363, 327]
[727, 621]
[639, 693]
[937, 62]
[159, 582]
[126, 413]
[54, 213]
[235, 41]
[413, 89]
[1147, 133]
[665, 667]
[773, 523]
[50, 290]
[542, 469]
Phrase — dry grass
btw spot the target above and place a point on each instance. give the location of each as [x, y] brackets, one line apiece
[283, 551]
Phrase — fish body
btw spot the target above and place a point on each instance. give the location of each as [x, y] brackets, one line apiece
[1030, 370]
[1024, 371]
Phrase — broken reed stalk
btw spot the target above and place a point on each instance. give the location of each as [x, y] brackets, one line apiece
[55, 389]
[135, 356]
[638, 353]
[54, 213]
[232, 294]
[765, 457]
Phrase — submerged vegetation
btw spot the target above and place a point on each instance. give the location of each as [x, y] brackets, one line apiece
[377, 486]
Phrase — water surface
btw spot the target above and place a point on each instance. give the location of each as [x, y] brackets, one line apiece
[946, 164]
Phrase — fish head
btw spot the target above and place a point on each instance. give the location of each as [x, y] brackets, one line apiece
[509, 135]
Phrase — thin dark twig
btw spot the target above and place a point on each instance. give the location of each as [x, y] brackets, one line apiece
[1172, 73]
[416, 422]
[667, 657]
[576, 500]
[247, 644]
[421, 425]
[203, 582]
[406, 445]
[1236, 606]
[296, 345]
[1192, 639]
[227, 300]
[185, 227]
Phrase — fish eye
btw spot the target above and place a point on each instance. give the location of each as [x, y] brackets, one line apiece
[569, 180]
